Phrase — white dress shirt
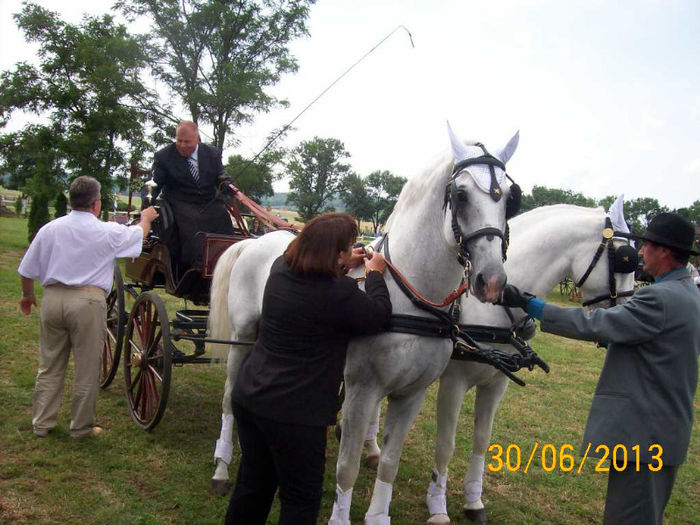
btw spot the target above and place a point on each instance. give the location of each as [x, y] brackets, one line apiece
[78, 250]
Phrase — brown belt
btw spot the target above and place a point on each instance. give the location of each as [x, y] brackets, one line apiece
[85, 288]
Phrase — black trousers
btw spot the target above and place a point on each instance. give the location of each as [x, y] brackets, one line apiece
[191, 219]
[638, 498]
[291, 457]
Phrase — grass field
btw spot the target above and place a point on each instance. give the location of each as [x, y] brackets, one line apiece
[132, 476]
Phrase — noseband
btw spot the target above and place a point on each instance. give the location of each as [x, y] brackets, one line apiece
[453, 196]
[625, 262]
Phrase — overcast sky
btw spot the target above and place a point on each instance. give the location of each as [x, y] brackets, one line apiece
[606, 95]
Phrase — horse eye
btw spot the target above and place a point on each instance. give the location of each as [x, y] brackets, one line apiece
[462, 195]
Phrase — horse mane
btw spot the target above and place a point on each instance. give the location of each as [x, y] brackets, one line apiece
[564, 209]
[423, 184]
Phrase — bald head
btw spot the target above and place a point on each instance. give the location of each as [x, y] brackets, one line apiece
[186, 138]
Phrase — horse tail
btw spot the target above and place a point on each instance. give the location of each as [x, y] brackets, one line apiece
[219, 322]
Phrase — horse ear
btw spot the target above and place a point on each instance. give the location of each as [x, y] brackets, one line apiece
[510, 148]
[459, 150]
[617, 215]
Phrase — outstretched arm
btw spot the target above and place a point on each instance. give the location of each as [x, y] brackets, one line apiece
[28, 298]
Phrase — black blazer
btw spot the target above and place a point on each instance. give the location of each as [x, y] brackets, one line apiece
[293, 373]
[171, 173]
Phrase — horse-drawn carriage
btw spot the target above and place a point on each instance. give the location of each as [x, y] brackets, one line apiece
[145, 335]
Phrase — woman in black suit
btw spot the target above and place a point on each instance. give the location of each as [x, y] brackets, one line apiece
[286, 393]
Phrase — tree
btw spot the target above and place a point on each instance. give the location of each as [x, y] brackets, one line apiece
[692, 212]
[383, 189]
[638, 212]
[253, 178]
[543, 196]
[353, 193]
[60, 205]
[316, 174]
[219, 57]
[31, 157]
[87, 86]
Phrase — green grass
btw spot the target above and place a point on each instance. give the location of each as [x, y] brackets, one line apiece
[134, 477]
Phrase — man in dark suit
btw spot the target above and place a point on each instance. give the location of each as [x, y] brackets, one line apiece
[188, 173]
[643, 404]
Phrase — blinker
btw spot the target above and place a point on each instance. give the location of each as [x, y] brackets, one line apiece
[626, 259]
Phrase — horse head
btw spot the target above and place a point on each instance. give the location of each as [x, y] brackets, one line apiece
[478, 202]
[608, 279]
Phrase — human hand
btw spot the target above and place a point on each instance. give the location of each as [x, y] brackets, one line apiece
[356, 257]
[149, 214]
[376, 262]
[25, 304]
[513, 298]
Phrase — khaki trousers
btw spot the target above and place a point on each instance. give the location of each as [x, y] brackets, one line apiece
[72, 318]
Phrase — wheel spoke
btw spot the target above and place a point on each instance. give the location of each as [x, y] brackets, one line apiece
[155, 373]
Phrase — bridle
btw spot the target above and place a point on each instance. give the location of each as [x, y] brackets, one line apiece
[620, 260]
[454, 196]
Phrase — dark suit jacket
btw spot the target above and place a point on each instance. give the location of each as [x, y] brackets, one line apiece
[194, 206]
[171, 173]
[646, 388]
[293, 373]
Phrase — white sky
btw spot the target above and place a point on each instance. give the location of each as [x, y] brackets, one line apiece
[606, 95]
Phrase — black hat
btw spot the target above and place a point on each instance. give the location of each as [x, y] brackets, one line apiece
[670, 230]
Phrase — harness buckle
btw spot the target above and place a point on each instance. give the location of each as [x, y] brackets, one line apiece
[608, 233]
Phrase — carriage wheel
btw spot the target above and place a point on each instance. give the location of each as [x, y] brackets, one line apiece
[114, 330]
[147, 360]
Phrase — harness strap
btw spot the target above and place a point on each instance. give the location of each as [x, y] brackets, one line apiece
[596, 257]
[414, 295]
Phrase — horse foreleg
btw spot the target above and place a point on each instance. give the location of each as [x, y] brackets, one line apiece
[371, 446]
[400, 414]
[488, 398]
[453, 385]
[358, 410]
[223, 453]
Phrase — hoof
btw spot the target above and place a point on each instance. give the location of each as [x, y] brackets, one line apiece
[476, 516]
[439, 519]
[220, 486]
[372, 461]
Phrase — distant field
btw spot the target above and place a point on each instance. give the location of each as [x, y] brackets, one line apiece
[162, 477]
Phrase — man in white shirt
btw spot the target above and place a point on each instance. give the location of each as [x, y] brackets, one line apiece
[73, 258]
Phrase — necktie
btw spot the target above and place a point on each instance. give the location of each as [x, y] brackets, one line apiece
[194, 171]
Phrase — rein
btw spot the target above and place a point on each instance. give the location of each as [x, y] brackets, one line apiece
[410, 291]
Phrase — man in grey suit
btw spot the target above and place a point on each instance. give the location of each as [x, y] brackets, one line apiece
[643, 403]
[189, 172]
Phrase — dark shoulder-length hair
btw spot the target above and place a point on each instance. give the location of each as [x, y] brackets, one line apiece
[315, 250]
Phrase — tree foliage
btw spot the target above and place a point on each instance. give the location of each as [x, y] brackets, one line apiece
[544, 196]
[638, 212]
[219, 57]
[253, 178]
[353, 193]
[383, 189]
[87, 87]
[316, 173]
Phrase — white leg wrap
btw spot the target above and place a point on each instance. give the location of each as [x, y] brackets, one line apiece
[378, 513]
[436, 498]
[473, 480]
[224, 445]
[341, 507]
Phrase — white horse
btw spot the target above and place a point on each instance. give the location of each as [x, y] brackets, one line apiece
[425, 247]
[547, 245]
